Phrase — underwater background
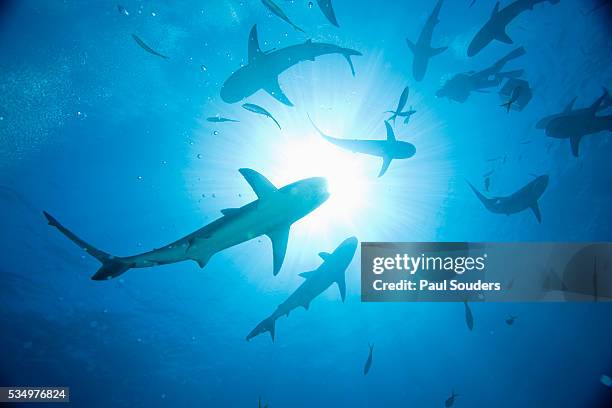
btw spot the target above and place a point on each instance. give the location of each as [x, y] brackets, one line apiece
[114, 142]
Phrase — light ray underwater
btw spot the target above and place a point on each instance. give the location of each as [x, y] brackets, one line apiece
[185, 188]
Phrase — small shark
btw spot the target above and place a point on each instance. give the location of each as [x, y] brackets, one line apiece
[368, 363]
[261, 111]
[450, 401]
[328, 10]
[263, 68]
[387, 149]
[275, 9]
[145, 47]
[495, 27]
[423, 50]
[526, 197]
[316, 282]
[271, 214]
[400, 106]
[220, 119]
[574, 124]
[469, 317]
[460, 86]
[516, 92]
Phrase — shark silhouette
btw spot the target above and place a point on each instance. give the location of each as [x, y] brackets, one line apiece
[271, 214]
[574, 124]
[388, 149]
[423, 50]
[526, 197]
[495, 27]
[264, 67]
[329, 272]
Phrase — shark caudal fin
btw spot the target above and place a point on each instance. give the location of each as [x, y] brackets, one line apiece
[480, 196]
[111, 266]
[266, 325]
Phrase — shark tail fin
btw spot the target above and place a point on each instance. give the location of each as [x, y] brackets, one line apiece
[111, 266]
[266, 325]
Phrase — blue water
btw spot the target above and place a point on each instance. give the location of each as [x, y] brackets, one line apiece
[114, 143]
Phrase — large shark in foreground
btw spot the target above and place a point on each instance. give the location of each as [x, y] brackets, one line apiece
[264, 67]
[495, 27]
[574, 124]
[388, 149]
[271, 214]
[526, 197]
[460, 86]
[316, 282]
[423, 50]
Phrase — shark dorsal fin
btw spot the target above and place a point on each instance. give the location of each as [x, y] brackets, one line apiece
[279, 239]
[495, 9]
[390, 133]
[258, 182]
[229, 211]
[570, 106]
[307, 275]
[254, 50]
[324, 255]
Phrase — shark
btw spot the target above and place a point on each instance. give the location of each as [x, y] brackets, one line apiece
[388, 149]
[495, 27]
[574, 124]
[524, 198]
[264, 67]
[423, 50]
[328, 11]
[271, 214]
[331, 271]
[368, 363]
[460, 86]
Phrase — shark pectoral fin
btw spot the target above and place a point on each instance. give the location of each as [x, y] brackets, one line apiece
[350, 62]
[254, 50]
[201, 260]
[342, 287]
[570, 106]
[229, 211]
[306, 305]
[536, 211]
[503, 37]
[575, 143]
[258, 182]
[279, 239]
[274, 89]
[390, 133]
[324, 255]
[385, 165]
[306, 275]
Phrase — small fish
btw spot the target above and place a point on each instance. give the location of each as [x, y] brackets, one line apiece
[259, 404]
[122, 10]
[472, 3]
[510, 320]
[487, 183]
[368, 363]
[145, 47]
[275, 9]
[261, 111]
[220, 119]
[450, 401]
[469, 318]
[400, 106]
[606, 380]
[516, 92]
